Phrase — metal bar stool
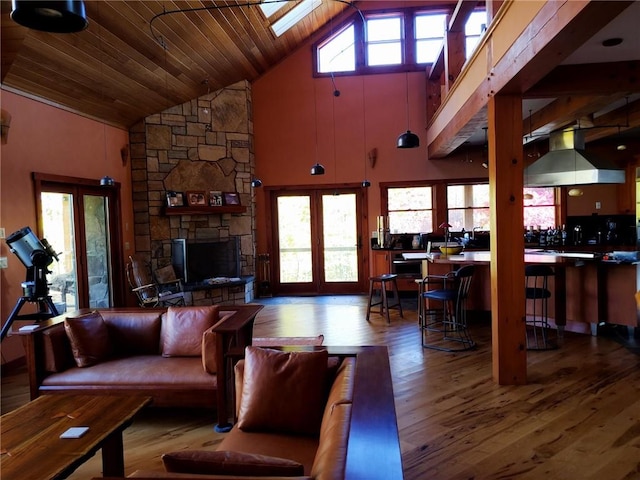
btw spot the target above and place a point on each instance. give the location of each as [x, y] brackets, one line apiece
[449, 321]
[538, 294]
[383, 280]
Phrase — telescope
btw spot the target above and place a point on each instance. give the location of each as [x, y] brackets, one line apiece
[36, 255]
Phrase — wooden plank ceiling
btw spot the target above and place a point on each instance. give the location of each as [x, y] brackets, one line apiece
[117, 70]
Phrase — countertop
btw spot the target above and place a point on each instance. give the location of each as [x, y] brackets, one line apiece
[530, 256]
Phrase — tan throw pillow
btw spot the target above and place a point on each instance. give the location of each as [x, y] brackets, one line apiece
[182, 329]
[230, 463]
[89, 338]
[283, 391]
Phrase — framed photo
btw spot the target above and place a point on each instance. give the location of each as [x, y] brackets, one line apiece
[231, 198]
[215, 198]
[196, 198]
[175, 199]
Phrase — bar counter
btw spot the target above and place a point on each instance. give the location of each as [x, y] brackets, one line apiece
[586, 290]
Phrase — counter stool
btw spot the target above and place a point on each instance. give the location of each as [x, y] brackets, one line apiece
[449, 322]
[538, 294]
[383, 280]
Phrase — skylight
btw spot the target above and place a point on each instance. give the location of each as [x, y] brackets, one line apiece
[296, 14]
[271, 7]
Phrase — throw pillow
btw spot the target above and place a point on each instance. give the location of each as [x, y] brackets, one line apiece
[89, 338]
[182, 329]
[230, 463]
[283, 392]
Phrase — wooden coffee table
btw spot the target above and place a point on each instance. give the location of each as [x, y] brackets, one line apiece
[30, 443]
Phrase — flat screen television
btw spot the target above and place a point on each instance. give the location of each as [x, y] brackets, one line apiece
[195, 261]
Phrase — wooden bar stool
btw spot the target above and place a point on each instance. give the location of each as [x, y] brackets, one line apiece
[383, 280]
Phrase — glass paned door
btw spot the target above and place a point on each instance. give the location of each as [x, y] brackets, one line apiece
[319, 248]
[340, 245]
[96, 228]
[77, 225]
[57, 224]
[294, 238]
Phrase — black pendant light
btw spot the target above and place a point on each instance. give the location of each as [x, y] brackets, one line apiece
[50, 16]
[256, 182]
[317, 169]
[408, 139]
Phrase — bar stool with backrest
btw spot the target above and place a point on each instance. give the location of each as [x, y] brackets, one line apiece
[445, 328]
[384, 280]
[537, 293]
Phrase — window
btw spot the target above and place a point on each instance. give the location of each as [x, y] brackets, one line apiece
[429, 32]
[473, 30]
[384, 41]
[540, 209]
[410, 209]
[468, 207]
[392, 39]
[338, 54]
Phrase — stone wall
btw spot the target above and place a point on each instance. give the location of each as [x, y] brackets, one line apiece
[205, 144]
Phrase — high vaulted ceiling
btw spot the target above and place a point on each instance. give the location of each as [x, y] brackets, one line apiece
[118, 71]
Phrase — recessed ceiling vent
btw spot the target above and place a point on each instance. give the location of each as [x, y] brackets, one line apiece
[567, 163]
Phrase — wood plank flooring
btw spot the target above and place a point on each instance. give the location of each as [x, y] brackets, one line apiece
[577, 418]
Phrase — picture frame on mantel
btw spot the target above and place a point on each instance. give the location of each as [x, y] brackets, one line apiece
[215, 198]
[175, 199]
[196, 198]
[231, 198]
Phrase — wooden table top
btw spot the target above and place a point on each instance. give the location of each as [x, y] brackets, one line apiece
[30, 443]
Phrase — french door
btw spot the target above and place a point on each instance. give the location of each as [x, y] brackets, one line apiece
[80, 220]
[318, 240]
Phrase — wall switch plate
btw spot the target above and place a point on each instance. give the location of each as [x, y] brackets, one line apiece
[3, 262]
[598, 205]
[1, 232]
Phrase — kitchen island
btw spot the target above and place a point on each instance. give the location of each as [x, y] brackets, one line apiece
[586, 290]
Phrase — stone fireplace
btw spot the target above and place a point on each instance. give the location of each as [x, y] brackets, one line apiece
[205, 144]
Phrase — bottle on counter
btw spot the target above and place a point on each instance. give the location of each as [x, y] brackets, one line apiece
[542, 237]
[563, 235]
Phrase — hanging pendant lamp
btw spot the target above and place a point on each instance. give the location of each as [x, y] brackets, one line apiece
[317, 169]
[408, 139]
[50, 16]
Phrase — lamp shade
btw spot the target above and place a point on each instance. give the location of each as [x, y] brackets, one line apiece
[408, 140]
[50, 16]
[317, 169]
[107, 181]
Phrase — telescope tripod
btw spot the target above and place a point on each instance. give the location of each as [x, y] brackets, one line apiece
[36, 291]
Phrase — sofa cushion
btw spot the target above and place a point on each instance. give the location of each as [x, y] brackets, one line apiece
[89, 338]
[182, 329]
[229, 463]
[133, 332]
[57, 349]
[283, 391]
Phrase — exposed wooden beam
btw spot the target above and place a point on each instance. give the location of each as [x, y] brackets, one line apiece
[615, 121]
[565, 111]
[553, 33]
[588, 79]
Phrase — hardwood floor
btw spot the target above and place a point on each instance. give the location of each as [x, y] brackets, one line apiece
[577, 418]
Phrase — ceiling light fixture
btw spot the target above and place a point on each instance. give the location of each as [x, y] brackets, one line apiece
[408, 139]
[365, 183]
[485, 149]
[317, 169]
[575, 192]
[256, 182]
[611, 42]
[50, 16]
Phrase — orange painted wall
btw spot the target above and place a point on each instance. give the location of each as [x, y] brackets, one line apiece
[46, 139]
[290, 106]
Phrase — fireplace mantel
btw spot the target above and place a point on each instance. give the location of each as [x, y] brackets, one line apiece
[205, 210]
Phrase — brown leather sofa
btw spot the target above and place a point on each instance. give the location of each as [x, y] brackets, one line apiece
[151, 352]
[357, 436]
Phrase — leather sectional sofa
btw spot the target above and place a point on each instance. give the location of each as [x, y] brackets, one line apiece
[171, 355]
[355, 437]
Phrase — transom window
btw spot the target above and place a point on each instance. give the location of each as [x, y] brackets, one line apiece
[391, 40]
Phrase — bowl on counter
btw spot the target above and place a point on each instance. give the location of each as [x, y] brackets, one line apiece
[452, 249]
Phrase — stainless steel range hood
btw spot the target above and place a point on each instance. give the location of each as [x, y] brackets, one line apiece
[567, 163]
